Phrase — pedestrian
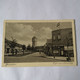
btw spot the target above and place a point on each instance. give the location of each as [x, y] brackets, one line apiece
[12, 51]
[50, 51]
[15, 51]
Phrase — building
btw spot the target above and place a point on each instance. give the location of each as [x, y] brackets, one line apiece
[49, 41]
[39, 48]
[62, 37]
[62, 41]
[8, 48]
[34, 42]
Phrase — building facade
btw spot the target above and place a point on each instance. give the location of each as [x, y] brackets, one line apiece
[62, 37]
[61, 42]
[8, 49]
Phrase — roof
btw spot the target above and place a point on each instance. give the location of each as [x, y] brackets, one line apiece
[62, 29]
[49, 40]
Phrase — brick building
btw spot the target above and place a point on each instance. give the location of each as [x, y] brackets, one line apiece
[61, 42]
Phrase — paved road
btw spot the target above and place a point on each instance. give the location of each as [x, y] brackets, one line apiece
[34, 57]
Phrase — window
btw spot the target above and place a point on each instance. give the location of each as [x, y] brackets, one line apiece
[54, 38]
[59, 37]
[70, 33]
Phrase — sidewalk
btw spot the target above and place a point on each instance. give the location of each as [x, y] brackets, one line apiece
[60, 58]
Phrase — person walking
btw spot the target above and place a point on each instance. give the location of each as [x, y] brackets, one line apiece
[12, 51]
[16, 51]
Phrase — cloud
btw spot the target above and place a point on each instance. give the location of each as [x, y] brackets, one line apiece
[44, 33]
[23, 33]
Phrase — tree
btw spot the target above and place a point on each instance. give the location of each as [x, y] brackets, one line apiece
[23, 47]
[29, 47]
[13, 45]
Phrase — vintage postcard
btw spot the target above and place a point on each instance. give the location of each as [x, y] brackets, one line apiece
[39, 43]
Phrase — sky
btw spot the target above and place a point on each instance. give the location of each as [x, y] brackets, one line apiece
[23, 32]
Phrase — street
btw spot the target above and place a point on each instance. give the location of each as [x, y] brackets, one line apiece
[34, 57]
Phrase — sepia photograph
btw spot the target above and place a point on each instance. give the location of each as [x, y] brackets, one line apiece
[39, 43]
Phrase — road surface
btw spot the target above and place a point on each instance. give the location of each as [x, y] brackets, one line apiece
[34, 57]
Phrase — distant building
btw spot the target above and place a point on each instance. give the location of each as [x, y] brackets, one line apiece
[8, 47]
[49, 42]
[34, 42]
[39, 48]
